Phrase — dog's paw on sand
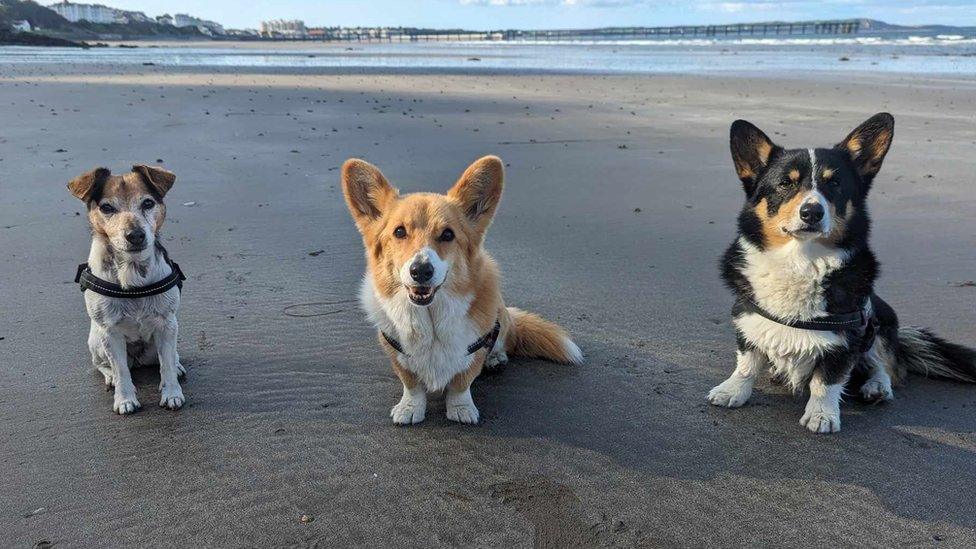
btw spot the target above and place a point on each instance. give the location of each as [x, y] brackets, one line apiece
[496, 361]
[125, 405]
[461, 408]
[731, 393]
[171, 398]
[821, 421]
[877, 390]
[408, 413]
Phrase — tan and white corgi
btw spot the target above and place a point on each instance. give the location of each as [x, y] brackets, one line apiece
[433, 292]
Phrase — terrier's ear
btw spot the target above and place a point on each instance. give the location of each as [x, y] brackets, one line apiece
[159, 179]
[751, 152]
[479, 190]
[367, 192]
[868, 144]
[86, 185]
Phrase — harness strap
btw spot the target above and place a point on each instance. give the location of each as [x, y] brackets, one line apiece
[88, 281]
[866, 326]
[830, 323]
[486, 341]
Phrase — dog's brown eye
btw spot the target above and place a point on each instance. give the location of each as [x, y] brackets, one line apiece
[148, 203]
[107, 209]
[400, 232]
[447, 235]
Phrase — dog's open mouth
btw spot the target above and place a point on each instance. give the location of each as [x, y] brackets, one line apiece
[421, 295]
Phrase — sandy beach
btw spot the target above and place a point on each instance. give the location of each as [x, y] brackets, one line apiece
[620, 197]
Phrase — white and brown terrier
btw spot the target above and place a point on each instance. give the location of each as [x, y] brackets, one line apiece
[433, 292]
[132, 287]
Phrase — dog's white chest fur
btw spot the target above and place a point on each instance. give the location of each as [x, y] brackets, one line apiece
[435, 338]
[788, 282]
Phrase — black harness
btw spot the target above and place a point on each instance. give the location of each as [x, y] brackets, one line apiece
[865, 325]
[88, 281]
[486, 341]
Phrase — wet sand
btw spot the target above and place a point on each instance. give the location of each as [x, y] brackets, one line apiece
[620, 197]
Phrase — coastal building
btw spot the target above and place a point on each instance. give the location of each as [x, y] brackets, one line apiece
[203, 25]
[97, 13]
[293, 28]
[93, 13]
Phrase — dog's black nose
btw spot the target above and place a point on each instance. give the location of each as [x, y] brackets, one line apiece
[136, 237]
[421, 272]
[812, 212]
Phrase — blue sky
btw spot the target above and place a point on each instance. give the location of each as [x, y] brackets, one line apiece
[497, 14]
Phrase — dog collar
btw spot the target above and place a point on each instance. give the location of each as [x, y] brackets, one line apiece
[486, 341]
[88, 281]
[859, 320]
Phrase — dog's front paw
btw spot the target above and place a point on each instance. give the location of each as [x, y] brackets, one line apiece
[171, 398]
[125, 405]
[463, 413]
[877, 390]
[461, 408]
[821, 421]
[731, 393]
[408, 412]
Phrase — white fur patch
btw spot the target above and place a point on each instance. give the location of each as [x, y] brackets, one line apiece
[736, 390]
[435, 338]
[788, 282]
[822, 414]
[460, 407]
[412, 408]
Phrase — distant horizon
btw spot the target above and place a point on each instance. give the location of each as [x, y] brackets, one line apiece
[482, 15]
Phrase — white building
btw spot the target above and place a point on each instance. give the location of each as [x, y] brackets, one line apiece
[279, 27]
[206, 27]
[21, 26]
[96, 13]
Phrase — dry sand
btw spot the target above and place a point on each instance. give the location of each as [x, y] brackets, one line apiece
[288, 392]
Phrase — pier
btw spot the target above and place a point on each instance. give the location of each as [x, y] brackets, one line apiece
[341, 34]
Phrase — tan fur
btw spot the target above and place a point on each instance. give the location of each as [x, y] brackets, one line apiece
[773, 234]
[794, 175]
[463, 380]
[826, 174]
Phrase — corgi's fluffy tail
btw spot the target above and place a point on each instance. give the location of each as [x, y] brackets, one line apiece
[532, 336]
[924, 353]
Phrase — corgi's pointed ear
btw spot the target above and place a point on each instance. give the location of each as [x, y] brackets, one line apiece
[479, 190]
[87, 185]
[159, 179]
[367, 192]
[752, 151]
[868, 144]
